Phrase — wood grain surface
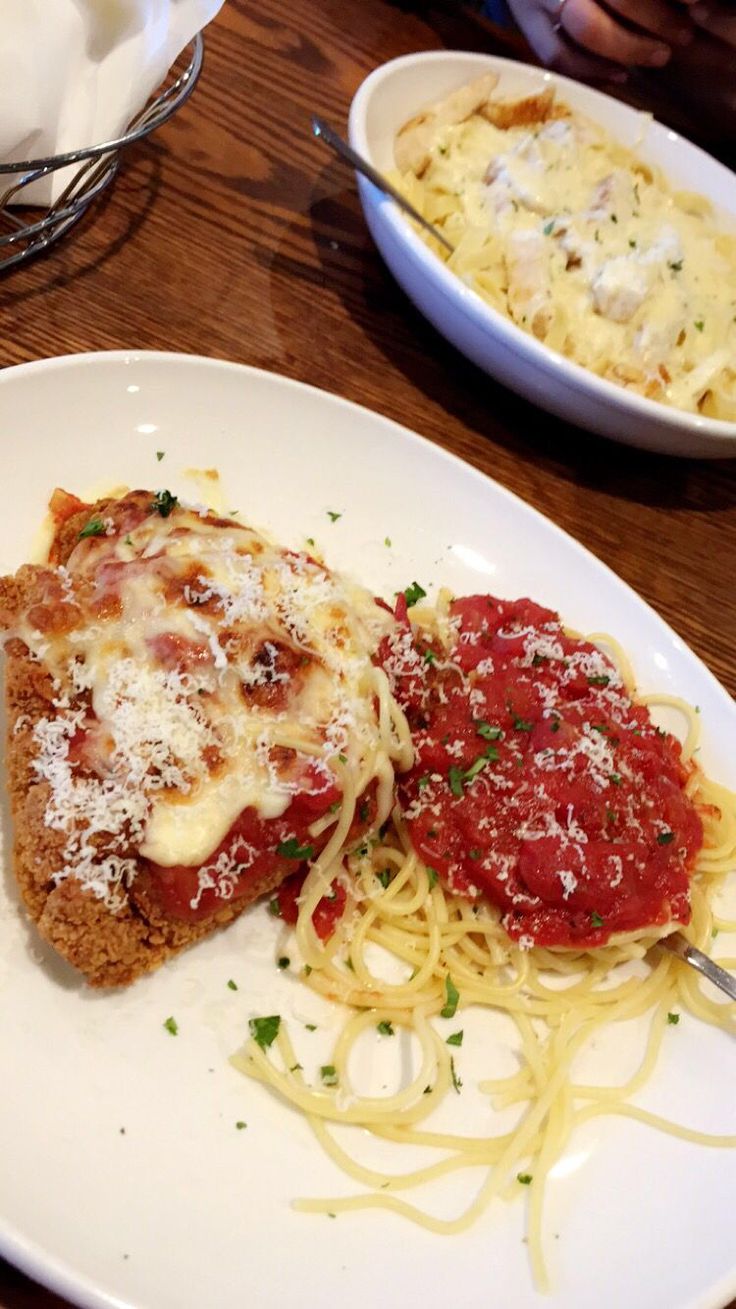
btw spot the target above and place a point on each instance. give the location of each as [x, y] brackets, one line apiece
[232, 233]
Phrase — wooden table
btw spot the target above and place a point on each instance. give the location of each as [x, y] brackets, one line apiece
[231, 233]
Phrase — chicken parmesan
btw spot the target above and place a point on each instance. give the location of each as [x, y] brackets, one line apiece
[194, 713]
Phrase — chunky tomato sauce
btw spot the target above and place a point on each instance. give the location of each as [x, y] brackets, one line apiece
[537, 782]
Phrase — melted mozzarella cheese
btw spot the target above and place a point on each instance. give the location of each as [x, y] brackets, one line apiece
[219, 668]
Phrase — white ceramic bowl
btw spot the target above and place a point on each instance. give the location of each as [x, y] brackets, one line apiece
[396, 91]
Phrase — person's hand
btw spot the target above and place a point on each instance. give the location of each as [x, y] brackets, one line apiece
[585, 40]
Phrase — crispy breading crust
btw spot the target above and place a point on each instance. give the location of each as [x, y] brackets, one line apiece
[110, 949]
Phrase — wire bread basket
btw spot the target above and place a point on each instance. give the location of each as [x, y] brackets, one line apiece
[25, 234]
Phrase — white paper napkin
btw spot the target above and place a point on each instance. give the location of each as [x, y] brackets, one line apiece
[75, 72]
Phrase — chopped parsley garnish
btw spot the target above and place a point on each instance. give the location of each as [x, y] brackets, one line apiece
[611, 815]
[172, 1027]
[522, 724]
[538, 659]
[291, 849]
[489, 756]
[524, 1178]
[430, 657]
[488, 731]
[310, 540]
[699, 324]
[284, 961]
[384, 877]
[614, 218]
[475, 853]
[385, 1028]
[456, 1038]
[307, 969]
[240, 1125]
[596, 919]
[431, 876]
[554, 725]
[664, 838]
[615, 778]
[599, 679]
[129, 539]
[164, 503]
[414, 593]
[387, 541]
[632, 243]
[422, 782]
[673, 1019]
[333, 517]
[456, 1081]
[455, 779]
[335, 806]
[549, 227]
[265, 1030]
[95, 527]
[232, 986]
[296, 1068]
[274, 907]
[311, 1027]
[364, 812]
[342, 758]
[160, 454]
[452, 996]
[328, 1073]
[676, 266]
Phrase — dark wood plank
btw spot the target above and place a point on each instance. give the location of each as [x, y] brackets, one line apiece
[232, 234]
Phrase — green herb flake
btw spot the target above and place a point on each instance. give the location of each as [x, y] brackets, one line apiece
[164, 503]
[95, 527]
[599, 679]
[431, 876]
[475, 853]
[673, 1019]
[488, 731]
[455, 780]
[265, 1030]
[596, 919]
[387, 542]
[522, 724]
[342, 758]
[615, 779]
[456, 1081]
[452, 996]
[456, 1038]
[664, 838]
[614, 218]
[385, 1028]
[699, 324]
[611, 815]
[676, 266]
[284, 962]
[232, 986]
[291, 849]
[129, 540]
[307, 970]
[328, 1073]
[413, 594]
[333, 517]
[549, 227]
[422, 782]
[632, 243]
[554, 725]
[311, 1027]
[430, 657]
[240, 1125]
[274, 908]
[160, 454]
[172, 1027]
[524, 1178]
[384, 877]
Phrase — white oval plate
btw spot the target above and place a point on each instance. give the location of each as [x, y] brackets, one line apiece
[182, 1210]
[387, 99]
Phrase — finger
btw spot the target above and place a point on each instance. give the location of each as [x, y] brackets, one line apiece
[656, 16]
[719, 22]
[555, 51]
[592, 28]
